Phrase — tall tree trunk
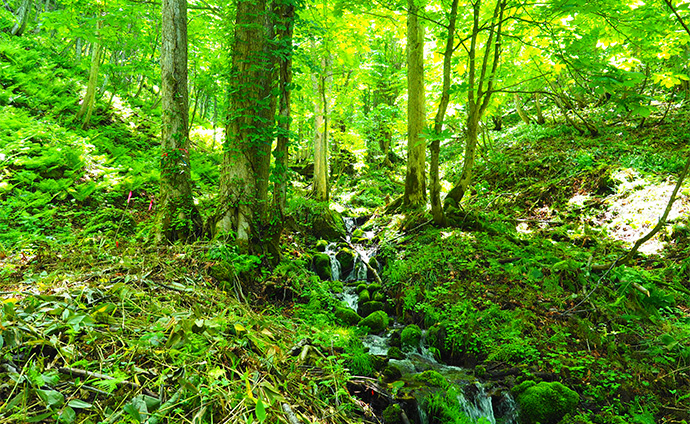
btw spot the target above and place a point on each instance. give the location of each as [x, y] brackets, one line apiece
[480, 89]
[249, 131]
[179, 219]
[415, 179]
[520, 110]
[321, 137]
[435, 147]
[285, 14]
[89, 101]
[537, 107]
[23, 13]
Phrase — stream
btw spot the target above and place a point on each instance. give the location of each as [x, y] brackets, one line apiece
[494, 406]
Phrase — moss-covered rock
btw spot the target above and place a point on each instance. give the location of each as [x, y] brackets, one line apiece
[379, 296]
[392, 414]
[364, 297]
[361, 288]
[328, 225]
[545, 403]
[368, 308]
[321, 245]
[322, 266]
[347, 315]
[394, 339]
[374, 288]
[410, 337]
[395, 353]
[432, 378]
[375, 265]
[391, 372]
[376, 322]
[346, 257]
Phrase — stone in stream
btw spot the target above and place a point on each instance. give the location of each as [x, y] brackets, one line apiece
[376, 322]
[395, 353]
[367, 308]
[347, 315]
[410, 337]
[544, 403]
[322, 266]
[321, 245]
[346, 257]
[393, 414]
[364, 297]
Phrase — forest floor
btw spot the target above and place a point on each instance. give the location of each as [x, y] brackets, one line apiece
[99, 325]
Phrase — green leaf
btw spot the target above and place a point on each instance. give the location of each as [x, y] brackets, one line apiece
[133, 412]
[67, 415]
[260, 410]
[52, 398]
[76, 403]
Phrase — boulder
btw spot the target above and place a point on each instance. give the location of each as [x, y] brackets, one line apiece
[410, 337]
[346, 257]
[322, 266]
[545, 403]
[368, 308]
[395, 353]
[393, 414]
[376, 322]
[364, 297]
[328, 225]
[347, 316]
[321, 245]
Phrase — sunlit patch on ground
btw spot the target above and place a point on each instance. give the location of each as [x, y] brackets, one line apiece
[637, 206]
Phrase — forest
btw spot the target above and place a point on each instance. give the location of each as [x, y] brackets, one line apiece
[392, 212]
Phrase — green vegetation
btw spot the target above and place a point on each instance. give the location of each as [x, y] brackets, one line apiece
[185, 280]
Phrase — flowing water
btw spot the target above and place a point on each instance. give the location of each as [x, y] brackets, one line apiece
[473, 399]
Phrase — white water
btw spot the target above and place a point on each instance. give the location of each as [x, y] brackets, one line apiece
[479, 406]
[331, 251]
[350, 297]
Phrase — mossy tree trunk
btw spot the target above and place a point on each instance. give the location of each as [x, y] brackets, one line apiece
[179, 219]
[23, 13]
[415, 177]
[435, 146]
[321, 191]
[482, 74]
[88, 104]
[249, 131]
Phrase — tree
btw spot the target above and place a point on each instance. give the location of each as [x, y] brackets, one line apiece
[249, 131]
[179, 219]
[415, 177]
[321, 192]
[480, 86]
[88, 103]
[22, 17]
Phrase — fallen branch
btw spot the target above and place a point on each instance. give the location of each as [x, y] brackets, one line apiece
[659, 225]
[291, 417]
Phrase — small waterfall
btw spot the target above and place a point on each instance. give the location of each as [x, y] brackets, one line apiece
[423, 417]
[350, 297]
[479, 405]
[331, 251]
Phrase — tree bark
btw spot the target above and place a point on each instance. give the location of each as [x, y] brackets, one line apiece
[179, 218]
[89, 101]
[23, 13]
[321, 138]
[415, 177]
[435, 147]
[249, 131]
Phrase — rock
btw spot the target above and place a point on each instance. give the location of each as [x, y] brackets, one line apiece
[361, 288]
[347, 316]
[368, 308]
[410, 337]
[364, 297]
[336, 286]
[321, 245]
[394, 339]
[379, 296]
[545, 403]
[374, 287]
[391, 372]
[328, 225]
[432, 378]
[395, 353]
[322, 266]
[346, 257]
[393, 414]
[376, 322]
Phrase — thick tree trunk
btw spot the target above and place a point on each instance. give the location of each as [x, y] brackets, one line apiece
[321, 138]
[249, 131]
[179, 219]
[520, 110]
[415, 178]
[435, 147]
[285, 12]
[23, 13]
[87, 106]
[537, 107]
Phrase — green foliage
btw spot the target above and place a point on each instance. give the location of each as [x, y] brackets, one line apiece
[545, 402]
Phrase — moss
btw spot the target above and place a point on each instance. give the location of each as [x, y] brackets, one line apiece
[375, 265]
[376, 322]
[395, 353]
[321, 245]
[368, 308]
[374, 287]
[379, 296]
[410, 337]
[361, 288]
[322, 266]
[391, 373]
[392, 414]
[347, 316]
[545, 403]
[432, 378]
[346, 257]
[364, 297]
[328, 224]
